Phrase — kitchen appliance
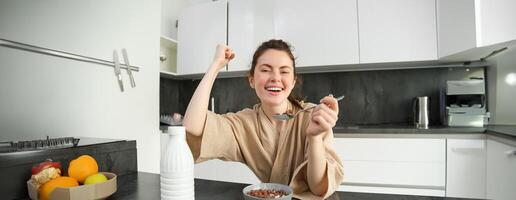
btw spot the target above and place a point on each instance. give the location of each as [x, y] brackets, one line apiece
[466, 103]
[420, 105]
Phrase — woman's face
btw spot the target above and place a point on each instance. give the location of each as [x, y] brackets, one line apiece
[273, 77]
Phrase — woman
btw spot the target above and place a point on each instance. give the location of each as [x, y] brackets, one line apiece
[297, 152]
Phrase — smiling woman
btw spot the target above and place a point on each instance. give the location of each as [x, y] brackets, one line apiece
[298, 152]
[274, 58]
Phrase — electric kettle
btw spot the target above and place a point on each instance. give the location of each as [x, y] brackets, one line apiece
[420, 109]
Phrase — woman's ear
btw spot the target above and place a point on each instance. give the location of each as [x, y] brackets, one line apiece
[251, 81]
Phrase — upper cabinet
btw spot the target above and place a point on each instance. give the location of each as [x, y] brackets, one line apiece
[322, 32]
[397, 30]
[250, 22]
[201, 28]
[338, 33]
[473, 29]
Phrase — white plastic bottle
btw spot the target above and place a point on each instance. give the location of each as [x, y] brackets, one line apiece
[177, 167]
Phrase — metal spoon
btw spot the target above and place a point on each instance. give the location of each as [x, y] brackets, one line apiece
[286, 116]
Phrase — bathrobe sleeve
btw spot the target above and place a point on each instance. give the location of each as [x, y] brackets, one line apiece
[218, 139]
[334, 171]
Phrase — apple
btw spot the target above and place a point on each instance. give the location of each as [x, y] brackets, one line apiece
[95, 178]
[46, 164]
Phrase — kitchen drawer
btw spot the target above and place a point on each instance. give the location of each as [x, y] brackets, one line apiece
[386, 163]
[399, 174]
[391, 149]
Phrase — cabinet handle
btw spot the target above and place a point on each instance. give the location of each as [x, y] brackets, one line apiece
[467, 150]
[511, 153]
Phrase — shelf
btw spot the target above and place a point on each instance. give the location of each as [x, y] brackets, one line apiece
[169, 51]
[167, 73]
[168, 42]
[170, 75]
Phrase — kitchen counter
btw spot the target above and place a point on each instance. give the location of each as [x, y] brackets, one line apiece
[407, 129]
[143, 185]
[505, 131]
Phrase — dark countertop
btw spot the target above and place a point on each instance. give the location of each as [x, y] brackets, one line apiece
[508, 131]
[144, 185]
[407, 129]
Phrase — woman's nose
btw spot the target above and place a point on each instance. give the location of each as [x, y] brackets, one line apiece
[276, 76]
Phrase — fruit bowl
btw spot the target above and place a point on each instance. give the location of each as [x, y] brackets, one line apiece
[81, 192]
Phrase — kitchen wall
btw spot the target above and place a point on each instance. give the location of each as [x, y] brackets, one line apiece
[42, 95]
[502, 87]
[372, 97]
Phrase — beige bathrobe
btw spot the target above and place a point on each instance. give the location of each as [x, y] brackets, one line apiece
[249, 137]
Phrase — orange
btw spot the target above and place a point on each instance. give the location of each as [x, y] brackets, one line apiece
[48, 187]
[82, 167]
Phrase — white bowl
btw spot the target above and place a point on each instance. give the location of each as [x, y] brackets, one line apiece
[269, 186]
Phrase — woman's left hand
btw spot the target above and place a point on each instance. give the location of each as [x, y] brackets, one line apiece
[324, 117]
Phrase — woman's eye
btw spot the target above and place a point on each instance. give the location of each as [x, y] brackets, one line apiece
[285, 72]
[264, 70]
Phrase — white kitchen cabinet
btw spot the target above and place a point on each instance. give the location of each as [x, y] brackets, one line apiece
[250, 22]
[466, 168]
[393, 165]
[322, 32]
[501, 171]
[397, 30]
[472, 29]
[201, 28]
[225, 171]
[496, 21]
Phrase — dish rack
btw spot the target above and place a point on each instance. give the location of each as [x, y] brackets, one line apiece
[176, 120]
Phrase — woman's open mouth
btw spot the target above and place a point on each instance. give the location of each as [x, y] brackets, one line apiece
[274, 90]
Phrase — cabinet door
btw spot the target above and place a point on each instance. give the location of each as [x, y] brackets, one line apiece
[466, 168]
[250, 22]
[207, 170]
[501, 171]
[225, 171]
[496, 21]
[322, 32]
[393, 165]
[201, 28]
[235, 172]
[397, 30]
[456, 26]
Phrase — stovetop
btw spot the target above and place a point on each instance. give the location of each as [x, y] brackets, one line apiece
[50, 143]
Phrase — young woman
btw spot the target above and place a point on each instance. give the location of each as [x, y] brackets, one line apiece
[297, 152]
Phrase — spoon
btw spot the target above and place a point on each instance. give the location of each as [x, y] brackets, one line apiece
[286, 116]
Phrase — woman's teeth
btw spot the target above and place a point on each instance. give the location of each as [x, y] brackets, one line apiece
[274, 89]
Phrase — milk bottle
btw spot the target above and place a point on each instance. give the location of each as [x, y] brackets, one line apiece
[177, 167]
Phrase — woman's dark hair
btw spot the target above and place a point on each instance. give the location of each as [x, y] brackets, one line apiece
[279, 45]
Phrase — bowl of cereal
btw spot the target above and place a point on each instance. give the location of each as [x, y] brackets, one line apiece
[263, 191]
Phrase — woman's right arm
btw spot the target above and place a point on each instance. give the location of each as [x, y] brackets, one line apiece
[195, 115]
